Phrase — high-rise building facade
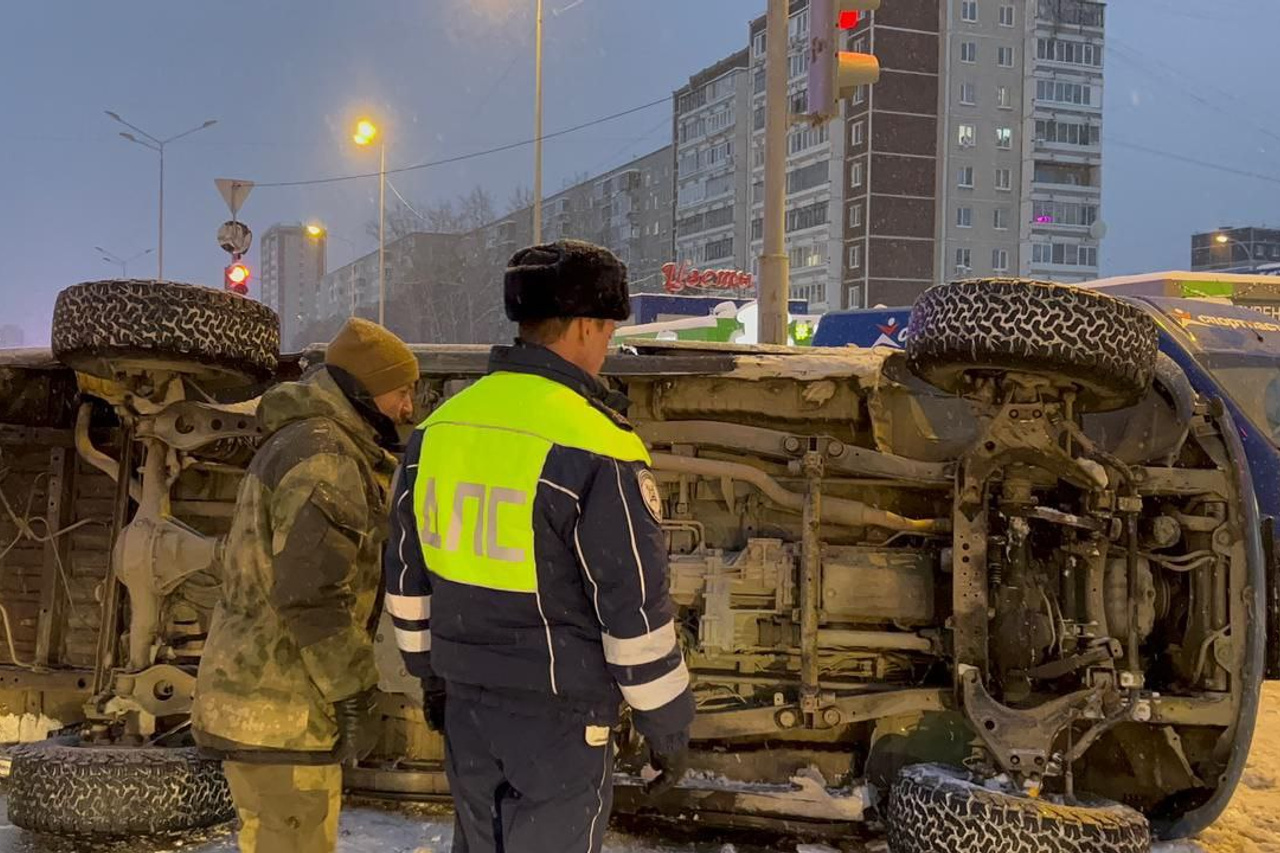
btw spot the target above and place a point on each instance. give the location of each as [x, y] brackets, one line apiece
[628, 210]
[891, 164]
[712, 132]
[814, 191]
[1061, 223]
[290, 266]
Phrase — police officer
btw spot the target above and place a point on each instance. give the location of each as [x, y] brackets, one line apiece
[285, 690]
[527, 571]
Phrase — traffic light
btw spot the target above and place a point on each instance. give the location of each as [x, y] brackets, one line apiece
[834, 73]
[236, 278]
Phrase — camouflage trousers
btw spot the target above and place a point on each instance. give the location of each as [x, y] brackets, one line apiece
[285, 808]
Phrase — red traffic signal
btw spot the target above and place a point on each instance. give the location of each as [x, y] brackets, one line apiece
[836, 73]
[236, 278]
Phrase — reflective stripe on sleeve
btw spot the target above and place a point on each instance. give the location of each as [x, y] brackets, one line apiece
[660, 691]
[409, 606]
[413, 641]
[646, 648]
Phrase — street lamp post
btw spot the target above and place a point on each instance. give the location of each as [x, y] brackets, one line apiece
[123, 263]
[537, 128]
[157, 145]
[1225, 240]
[366, 132]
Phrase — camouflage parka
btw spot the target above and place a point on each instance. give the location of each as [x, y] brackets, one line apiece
[300, 572]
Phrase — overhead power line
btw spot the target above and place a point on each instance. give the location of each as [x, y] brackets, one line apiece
[472, 155]
[1207, 164]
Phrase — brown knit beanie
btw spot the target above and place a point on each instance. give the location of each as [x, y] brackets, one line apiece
[374, 356]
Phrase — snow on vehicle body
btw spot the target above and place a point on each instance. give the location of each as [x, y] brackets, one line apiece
[1025, 549]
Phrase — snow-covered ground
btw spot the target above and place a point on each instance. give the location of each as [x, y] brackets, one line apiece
[1250, 825]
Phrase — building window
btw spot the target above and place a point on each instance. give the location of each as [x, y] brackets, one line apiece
[1004, 99]
[966, 135]
[1004, 180]
[1000, 219]
[757, 44]
[857, 133]
[1070, 52]
[1063, 213]
[969, 51]
[1056, 91]
[1006, 16]
[1004, 57]
[1004, 137]
[1064, 254]
[964, 260]
[855, 257]
[1000, 260]
[809, 216]
[722, 248]
[802, 257]
[799, 63]
[968, 94]
[860, 44]
[964, 217]
[1067, 133]
[859, 95]
[855, 215]
[855, 175]
[965, 178]
[969, 11]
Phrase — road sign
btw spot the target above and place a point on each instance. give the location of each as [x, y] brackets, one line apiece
[235, 237]
[234, 192]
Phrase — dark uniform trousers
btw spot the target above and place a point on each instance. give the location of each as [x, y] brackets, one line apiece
[536, 779]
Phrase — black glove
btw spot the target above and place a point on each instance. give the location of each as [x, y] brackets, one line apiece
[670, 757]
[433, 703]
[357, 732]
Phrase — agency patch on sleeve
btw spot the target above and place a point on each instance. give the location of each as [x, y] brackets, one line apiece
[649, 491]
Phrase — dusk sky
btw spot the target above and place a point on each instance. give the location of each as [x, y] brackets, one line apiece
[287, 79]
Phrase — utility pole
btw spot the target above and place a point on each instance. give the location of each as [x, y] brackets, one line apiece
[537, 128]
[775, 268]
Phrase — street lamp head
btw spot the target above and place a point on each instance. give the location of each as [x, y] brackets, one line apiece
[113, 115]
[210, 123]
[315, 231]
[365, 132]
[1222, 238]
[130, 137]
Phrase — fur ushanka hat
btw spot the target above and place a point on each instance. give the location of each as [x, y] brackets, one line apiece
[567, 278]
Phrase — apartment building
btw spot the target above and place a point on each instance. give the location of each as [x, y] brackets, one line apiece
[1246, 249]
[291, 264]
[1062, 139]
[814, 191]
[1021, 109]
[892, 213]
[628, 209]
[712, 133]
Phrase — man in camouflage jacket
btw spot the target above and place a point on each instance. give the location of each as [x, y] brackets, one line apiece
[286, 684]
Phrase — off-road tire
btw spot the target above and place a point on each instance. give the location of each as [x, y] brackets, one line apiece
[936, 809]
[62, 788]
[99, 326]
[1102, 345]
